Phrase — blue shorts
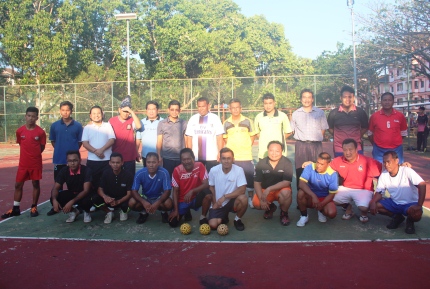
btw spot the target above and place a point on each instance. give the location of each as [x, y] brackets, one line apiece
[378, 153]
[389, 205]
[195, 204]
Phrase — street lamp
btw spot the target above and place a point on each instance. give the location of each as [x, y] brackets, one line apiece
[128, 17]
[350, 4]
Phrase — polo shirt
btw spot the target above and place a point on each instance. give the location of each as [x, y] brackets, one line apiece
[268, 176]
[321, 184]
[173, 137]
[116, 186]
[204, 131]
[271, 128]
[187, 181]
[148, 135]
[402, 187]
[307, 126]
[347, 125]
[238, 137]
[124, 134]
[226, 183]
[75, 182]
[152, 187]
[358, 174]
[66, 138]
[97, 136]
[388, 130]
[30, 142]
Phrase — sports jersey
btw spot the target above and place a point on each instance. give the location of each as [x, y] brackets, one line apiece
[116, 186]
[152, 187]
[187, 181]
[66, 138]
[124, 134]
[30, 142]
[321, 184]
[238, 137]
[388, 130]
[74, 181]
[148, 135]
[268, 176]
[226, 183]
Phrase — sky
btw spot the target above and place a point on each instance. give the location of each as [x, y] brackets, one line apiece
[311, 26]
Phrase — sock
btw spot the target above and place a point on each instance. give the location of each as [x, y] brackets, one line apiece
[143, 212]
[236, 218]
[202, 217]
[304, 213]
[16, 204]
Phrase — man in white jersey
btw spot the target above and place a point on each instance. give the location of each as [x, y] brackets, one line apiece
[407, 193]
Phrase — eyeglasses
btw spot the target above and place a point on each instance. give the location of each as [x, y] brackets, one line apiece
[72, 161]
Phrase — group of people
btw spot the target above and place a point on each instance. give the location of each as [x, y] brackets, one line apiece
[203, 163]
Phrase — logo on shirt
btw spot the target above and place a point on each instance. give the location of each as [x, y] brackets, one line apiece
[280, 171]
[36, 138]
[265, 171]
[123, 185]
[128, 126]
[360, 168]
[22, 136]
[186, 176]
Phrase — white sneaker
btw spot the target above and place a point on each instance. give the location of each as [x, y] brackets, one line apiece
[302, 221]
[92, 209]
[87, 217]
[250, 203]
[321, 217]
[72, 216]
[123, 216]
[108, 218]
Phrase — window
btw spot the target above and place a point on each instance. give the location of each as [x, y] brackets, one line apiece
[400, 86]
[399, 101]
[416, 84]
[398, 72]
[422, 83]
[391, 74]
[391, 88]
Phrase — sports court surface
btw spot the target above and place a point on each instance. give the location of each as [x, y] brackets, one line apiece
[45, 252]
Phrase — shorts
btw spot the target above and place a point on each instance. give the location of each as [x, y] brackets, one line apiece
[391, 206]
[273, 196]
[360, 197]
[378, 153]
[152, 200]
[248, 169]
[23, 175]
[195, 204]
[222, 213]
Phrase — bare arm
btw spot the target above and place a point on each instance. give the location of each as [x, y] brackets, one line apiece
[159, 145]
[189, 141]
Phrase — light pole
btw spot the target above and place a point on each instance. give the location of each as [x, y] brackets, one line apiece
[350, 4]
[128, 17]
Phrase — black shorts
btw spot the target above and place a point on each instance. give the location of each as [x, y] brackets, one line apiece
[222, 213]
[248, 169]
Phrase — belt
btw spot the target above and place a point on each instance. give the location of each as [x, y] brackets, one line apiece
[309, 141]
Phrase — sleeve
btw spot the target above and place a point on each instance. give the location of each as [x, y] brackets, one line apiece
[111, 133]
[167, 183]
[184, 127]
[203, 172]
[18, 136]
[219, 128]
[189, 131]
[85, 133]
[333, 187]
[286, 124]
[160, 127]
[380, 186]
[211, 178]
[257, 124]
[42, 137]
[330, 119]
[375, 168]
[136, 181]
[371, 129]
[52, 134]
[414, 177]
[80, 130]
[258, 175]
[306, 174]
[139, 134]
[293, 121]
[61, 179]
[364, 120]
[241, 180]
[252, 131]
[334, 164]
[225, 130]
[175, 177]
[88, 175]
[288, 171]
[324, 124]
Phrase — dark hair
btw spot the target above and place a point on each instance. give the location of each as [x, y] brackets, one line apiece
[152, 154]
[268, 96]
[152, 102]
[306, 90]
[68, 103]
[187, 150]
[73, 152]
[348, 141]
[203, 98]
[393, 154]
[32, 109]
[422, 108]
[116, 155]
[325, 156]
[387, 93]
[174, 102]
[233, 100]
[347, 88]
[275, 142]
[225, 150]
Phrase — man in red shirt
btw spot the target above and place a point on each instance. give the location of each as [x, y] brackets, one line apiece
[32, 140]
[190, 189]
[387, 128]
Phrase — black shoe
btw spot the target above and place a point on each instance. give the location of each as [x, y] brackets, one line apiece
[225, 221]
[410, 227]
[396, 221]
[164, 218]
[239, 225]
[188, 216]
[203, 221]
[11, 213]
[51, 212]
[34, 212]
[142, 218]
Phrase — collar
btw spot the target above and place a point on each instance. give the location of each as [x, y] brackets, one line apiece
[62, 121]
[275, 114]
[241, 118]
[77, 173]
[158, 118]
[301, 109]
[346, 161]
[353, 107]
[381, 111]
[168, 120]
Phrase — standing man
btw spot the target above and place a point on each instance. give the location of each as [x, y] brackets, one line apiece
[271, 124]
[65, 135]
[204, 131]
[124, 125]
[227, 183]
[308, 124]
[147, 136]
[347, 121]
[422, 130]
[171, 137]
[239, 137]
[32, 140]
[272, 182]
[387, 128]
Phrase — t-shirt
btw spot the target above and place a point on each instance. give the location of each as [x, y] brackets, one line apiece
[75, 182]
[97, 136]
[402, 187]
[388, 130]
[226, 183]
[307, 126]
[187, 181]
[204, 131]
[116, 186]
[359, 174]
[422, 121]
[152, 187]
[66, 138]
[30, 142]
[268, 176]
[321, 184]
[173, 137]
[238, 137]
[148, 135]
[124, 134]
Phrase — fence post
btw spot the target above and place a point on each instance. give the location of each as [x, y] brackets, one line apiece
[232, 87]
[274, 85]
[5, 115]
[315, 89]
[150, 88]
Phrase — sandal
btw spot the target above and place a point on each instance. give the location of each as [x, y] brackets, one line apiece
[364, 219]
[347, 216]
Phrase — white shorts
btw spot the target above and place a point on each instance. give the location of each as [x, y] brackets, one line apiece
[360, 197]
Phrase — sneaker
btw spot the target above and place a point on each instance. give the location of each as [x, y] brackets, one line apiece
[410, 226]
[164, 218]
[51, 212]
[203, 221]
[396, 221]
[364, 219]
[250, 203]
[92, 209]
[142, 218]
[285, 221]
[34, 212]
[123, 216]
[87, 217]
[239, 225]
[108, 218]
[72, 216]
[321, 217]
[188, 216]
[269, 213]
[302, 221]
[11, 213]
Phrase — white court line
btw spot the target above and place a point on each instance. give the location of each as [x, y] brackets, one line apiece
[5, 220]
